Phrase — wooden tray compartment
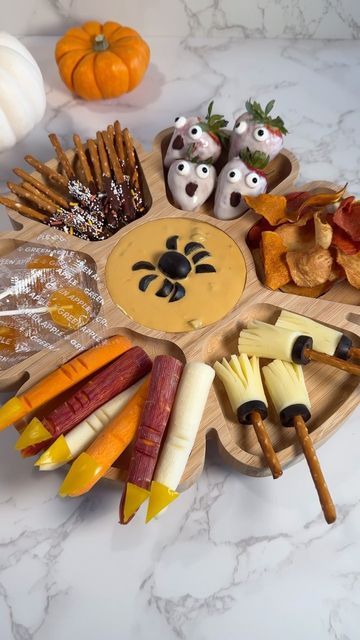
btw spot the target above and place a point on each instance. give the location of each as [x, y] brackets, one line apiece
[210, 342]
[281, 172]
[332, 393]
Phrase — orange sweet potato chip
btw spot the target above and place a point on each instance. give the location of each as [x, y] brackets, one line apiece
[351, 266]
[272, 208]
[274, 260]
[310, 269]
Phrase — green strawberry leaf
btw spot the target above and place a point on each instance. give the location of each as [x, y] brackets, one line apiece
[262, 116]
[254, 159]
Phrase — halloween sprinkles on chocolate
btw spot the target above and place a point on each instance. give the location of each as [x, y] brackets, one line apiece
[175, 266]
[92, 197]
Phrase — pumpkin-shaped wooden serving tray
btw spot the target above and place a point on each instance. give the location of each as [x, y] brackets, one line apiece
[333, 393]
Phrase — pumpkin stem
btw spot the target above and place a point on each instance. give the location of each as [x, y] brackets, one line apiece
[100, 43]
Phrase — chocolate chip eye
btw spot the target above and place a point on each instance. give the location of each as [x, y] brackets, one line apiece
[202, 171]
[195, 132]
[234, 175]
[183, 168]
[261, 134]
[252, 180]
[180, 122]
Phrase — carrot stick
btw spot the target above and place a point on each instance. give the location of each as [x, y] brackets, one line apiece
[92, 465]
[104, 385]
[164, 381]
[62, 378]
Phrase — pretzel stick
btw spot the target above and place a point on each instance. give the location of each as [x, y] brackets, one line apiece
[114, 161]
[50, 193]
[62, 157]
[315, 470]
[21, 208]
[119, 143]
[131, 161]
[83, 159]
[42, 168]
[34, 199]
[94, 156]
[110, 130]
[105, 169]
[39, 194]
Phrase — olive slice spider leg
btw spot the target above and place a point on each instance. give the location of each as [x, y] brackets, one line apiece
[205, 268]
[143, 264]
[145, 281]
[165, 289]
[192, 246]
[171, 243]
[179, 292]
[200, 256]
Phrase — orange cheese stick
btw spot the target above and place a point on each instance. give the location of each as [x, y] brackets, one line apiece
[92, 465]
[62, 379]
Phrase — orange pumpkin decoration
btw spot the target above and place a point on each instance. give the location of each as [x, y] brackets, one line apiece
[98, 61]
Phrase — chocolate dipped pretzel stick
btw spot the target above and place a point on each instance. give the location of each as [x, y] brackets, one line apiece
[62, 157]
[21, 208]
[114, 161]
[130, 159]
[104, 163]
[110, 130]
[46, 171]
[94, 156]
[42, 196]
[83, 160]
[119, 143]
[40, 186]
[32, 197]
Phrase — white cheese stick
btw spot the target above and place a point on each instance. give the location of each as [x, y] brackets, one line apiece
[324, 338]
[267, 341]
[69, 446]
[189, 405]
[185, 419]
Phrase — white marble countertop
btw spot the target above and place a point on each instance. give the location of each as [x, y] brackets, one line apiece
[236, 557]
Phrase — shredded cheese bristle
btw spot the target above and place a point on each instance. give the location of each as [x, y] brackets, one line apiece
[242, 380]
[325, 339]
[286, 385]
[267, 341]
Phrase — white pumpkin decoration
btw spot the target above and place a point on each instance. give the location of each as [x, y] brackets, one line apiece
[22, 93]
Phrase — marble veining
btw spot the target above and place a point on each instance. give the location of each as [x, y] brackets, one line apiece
[197, 18]
[235, 557]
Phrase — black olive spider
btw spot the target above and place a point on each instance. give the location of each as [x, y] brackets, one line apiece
[174, 265]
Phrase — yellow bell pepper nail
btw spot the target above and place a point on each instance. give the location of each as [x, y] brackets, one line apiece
[81, 476]
[134, 498]
[13, 410]
[160, 497]
[57, 454]
[34, 432]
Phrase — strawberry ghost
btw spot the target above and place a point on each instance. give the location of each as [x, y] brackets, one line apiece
[241, 176]
[190, 183]
[258, 131]
[196, 137]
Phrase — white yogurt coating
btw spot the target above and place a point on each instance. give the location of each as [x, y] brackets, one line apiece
[190, 184]
[256, 136]
[189, 141]
[236, 179]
